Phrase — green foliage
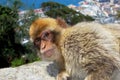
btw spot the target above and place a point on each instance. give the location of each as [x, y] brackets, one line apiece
[53, 9]
[31, 57]
[30, 54]
[27, 58]
[7, 24]
[17, 62]
[52, 5]
[11, 34]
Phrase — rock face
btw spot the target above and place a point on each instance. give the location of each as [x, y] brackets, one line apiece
[33, 71]
[36, 71]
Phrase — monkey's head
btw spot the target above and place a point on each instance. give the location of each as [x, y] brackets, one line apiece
[44, 33]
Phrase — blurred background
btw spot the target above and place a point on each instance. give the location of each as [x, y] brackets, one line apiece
[17, 15]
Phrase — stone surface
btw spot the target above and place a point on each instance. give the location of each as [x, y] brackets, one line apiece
[40, 70]
[33, 71]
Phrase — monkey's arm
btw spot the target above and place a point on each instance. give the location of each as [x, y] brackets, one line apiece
[63, 75]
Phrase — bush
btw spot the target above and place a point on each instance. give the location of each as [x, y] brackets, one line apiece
[7, 39]
[24, 59]
[17, 62]
[11, 48]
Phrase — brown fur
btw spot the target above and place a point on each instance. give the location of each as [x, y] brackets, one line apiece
[89, 51]
[94, 50]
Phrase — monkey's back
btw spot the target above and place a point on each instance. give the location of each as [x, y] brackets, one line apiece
[89, 47]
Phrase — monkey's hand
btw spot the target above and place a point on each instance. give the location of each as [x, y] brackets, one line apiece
[63, 76]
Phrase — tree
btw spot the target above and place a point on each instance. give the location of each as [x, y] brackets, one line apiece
[7, 35]
[11, 33]
[53, 9]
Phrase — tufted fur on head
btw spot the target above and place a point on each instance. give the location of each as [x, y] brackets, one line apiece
[46, 23]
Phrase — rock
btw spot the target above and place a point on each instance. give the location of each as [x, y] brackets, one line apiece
[34, 71]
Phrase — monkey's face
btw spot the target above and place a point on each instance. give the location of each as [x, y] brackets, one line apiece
[46, 46]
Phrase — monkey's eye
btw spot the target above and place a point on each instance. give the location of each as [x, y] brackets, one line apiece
[46, 34]
[37, 41]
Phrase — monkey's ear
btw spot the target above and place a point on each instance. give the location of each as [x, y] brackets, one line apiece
[62, 22]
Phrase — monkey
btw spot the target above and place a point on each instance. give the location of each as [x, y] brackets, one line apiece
[85, 51]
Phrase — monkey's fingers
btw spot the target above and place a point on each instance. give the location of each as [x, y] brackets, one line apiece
[63, 76]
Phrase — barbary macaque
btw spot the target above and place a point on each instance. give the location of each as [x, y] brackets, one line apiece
[86, 51]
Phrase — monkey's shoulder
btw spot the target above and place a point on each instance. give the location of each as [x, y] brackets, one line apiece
[92, 32]
[83, 29]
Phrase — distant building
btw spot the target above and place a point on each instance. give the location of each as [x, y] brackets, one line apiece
[37, 12]
[72, 6]
[103, 11]
[111, 1]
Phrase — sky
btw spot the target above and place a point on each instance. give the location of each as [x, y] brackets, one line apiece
[37, 3]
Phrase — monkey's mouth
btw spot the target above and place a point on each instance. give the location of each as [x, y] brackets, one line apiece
[48, 53]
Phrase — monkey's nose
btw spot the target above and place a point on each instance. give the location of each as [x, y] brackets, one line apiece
[43, 45]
